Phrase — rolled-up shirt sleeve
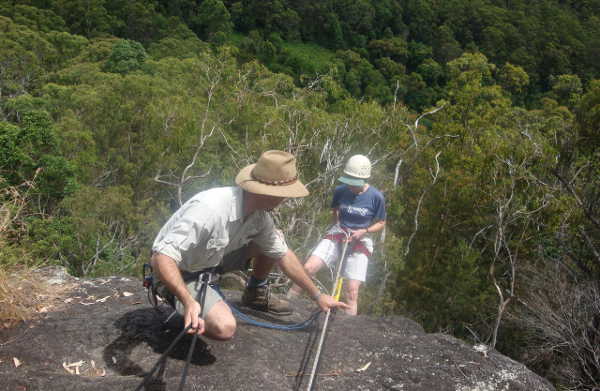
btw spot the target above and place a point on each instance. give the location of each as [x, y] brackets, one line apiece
[271, 240]
[183, 232]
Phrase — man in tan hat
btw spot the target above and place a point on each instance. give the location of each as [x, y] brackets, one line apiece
[220, 230]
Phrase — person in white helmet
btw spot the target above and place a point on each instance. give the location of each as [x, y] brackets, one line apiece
[358, 210]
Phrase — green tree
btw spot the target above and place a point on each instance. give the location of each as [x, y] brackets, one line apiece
[588, 118]
[432, 72]
[333, 29]
[394, 48]
[418, 52]
[31, 150]
[513, 78]
[566, 89]
[357, 18]
[213, 18]
[137, 20]
[361, 78]
[25, 58]
[84, 17]
[181, 43]
[445, 46]
[41, 20]
[126, 56]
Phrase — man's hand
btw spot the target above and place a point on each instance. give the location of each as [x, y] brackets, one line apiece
[170, 275]
[192, 316]
[327, 303]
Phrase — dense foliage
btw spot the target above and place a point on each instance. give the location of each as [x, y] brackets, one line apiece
[482, 117]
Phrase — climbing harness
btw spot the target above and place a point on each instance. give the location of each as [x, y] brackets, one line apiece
[356, 247]
[148, 283]
[204, 278]
[336, 291]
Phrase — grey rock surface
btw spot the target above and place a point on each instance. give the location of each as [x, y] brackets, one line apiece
[105, 336]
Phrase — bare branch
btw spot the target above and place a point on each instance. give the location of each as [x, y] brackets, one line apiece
[590, 244]
[426, 114]
[397, 172]
[396, 93]
[571, 190]
[413, 129]
[434, 175]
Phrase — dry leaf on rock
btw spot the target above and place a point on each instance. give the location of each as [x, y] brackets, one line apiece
[17, 362]
[96, 371]
[75, 365]
[364, 368]
[66, 367]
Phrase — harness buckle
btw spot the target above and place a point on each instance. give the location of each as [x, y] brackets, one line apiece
[208, 277]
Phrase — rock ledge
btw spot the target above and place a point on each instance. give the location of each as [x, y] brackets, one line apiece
[103, 335]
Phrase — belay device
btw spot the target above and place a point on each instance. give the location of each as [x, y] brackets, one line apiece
[148, 282]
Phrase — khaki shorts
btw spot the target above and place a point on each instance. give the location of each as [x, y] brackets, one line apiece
[236, 260]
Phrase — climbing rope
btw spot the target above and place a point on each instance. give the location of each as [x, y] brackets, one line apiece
[336, 291]
[149, 285]
[163, 358]
[204, 279]
[274, 326]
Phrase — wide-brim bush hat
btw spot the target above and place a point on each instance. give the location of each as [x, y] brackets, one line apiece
[274, 174]
[356, 171]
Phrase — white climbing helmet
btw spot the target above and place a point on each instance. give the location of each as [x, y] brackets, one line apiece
[357, 169]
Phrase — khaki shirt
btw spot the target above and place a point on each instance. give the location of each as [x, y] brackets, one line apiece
[210, 225]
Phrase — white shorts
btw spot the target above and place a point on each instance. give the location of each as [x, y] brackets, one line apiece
[355, 267]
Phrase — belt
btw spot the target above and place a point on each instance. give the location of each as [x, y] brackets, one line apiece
[194, 276]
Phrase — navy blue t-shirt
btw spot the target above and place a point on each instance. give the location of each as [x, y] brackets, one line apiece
[358, 211]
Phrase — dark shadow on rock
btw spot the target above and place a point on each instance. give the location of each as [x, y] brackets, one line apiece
[147, 326]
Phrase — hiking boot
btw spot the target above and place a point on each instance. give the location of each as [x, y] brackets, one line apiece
[261, 299]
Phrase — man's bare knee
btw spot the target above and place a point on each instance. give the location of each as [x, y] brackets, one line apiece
[222, 331]
[220, 323]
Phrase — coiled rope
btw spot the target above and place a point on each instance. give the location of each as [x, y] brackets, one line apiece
[274, 326]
